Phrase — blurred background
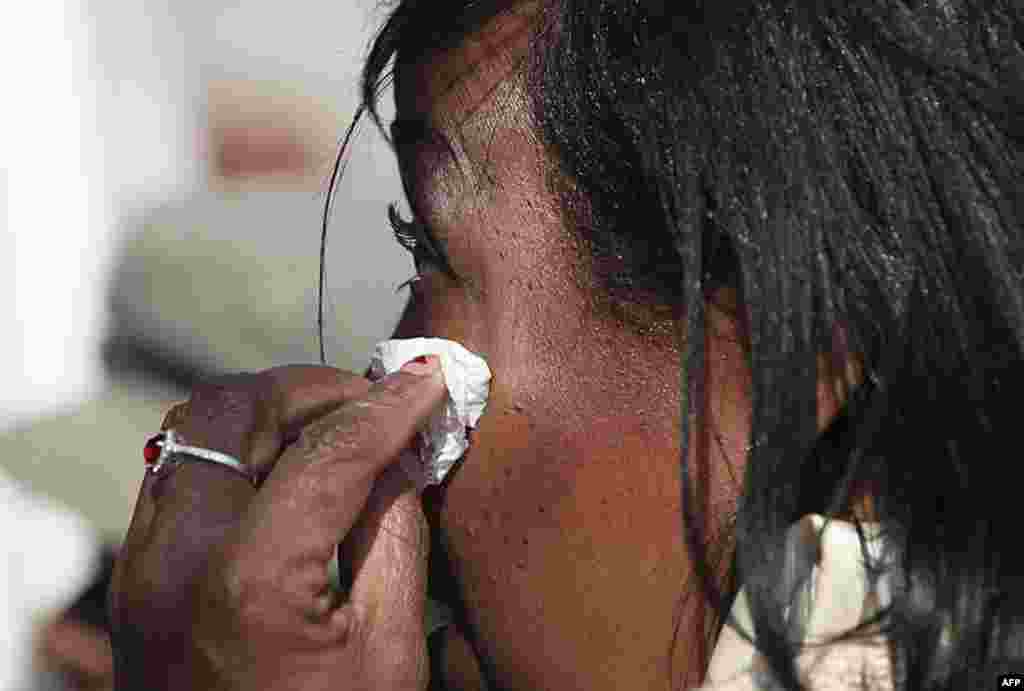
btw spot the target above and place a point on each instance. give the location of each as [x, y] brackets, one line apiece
[164, 169]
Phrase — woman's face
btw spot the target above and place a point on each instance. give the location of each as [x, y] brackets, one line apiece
[562, 525]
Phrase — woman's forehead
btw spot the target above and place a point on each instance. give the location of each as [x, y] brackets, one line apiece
[450, 87]
[460, 101]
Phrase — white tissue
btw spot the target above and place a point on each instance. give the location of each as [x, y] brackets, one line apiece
[468, 379]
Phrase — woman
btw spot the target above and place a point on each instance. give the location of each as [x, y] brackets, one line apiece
[793, 225]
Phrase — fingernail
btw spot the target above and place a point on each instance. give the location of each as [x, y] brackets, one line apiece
[423, 365]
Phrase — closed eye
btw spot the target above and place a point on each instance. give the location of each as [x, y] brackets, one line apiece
[418, 240]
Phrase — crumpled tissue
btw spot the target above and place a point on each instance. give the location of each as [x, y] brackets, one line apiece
[468, 379]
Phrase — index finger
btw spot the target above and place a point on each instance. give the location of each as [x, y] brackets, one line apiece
[321, 483]
[310, 391]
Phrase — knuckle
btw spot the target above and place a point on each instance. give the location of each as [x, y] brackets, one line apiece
[225, 394]
[233, 396]
[395, 389]
[336, 436]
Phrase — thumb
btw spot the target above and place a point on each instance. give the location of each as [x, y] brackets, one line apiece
[386, 552]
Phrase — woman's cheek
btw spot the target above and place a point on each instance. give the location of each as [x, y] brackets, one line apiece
[445, 310]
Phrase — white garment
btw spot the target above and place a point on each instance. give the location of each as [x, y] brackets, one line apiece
[48, 557]
[838, 596]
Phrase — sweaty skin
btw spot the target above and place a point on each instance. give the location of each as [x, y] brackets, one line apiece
[559, 538]
[561, 529]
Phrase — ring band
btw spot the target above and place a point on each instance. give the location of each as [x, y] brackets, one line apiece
[165, 450]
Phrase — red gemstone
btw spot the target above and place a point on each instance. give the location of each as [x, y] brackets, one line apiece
[152, 450]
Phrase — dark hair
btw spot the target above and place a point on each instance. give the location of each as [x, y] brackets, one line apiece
[849, 167]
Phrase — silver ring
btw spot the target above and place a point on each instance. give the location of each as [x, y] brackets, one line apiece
[173, 452]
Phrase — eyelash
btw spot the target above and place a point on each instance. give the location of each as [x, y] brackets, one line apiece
[415, 237]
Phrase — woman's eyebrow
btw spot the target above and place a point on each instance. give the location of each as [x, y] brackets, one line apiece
[423, 152]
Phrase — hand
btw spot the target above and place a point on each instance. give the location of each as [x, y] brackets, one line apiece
[223, 586]
[79, 652]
